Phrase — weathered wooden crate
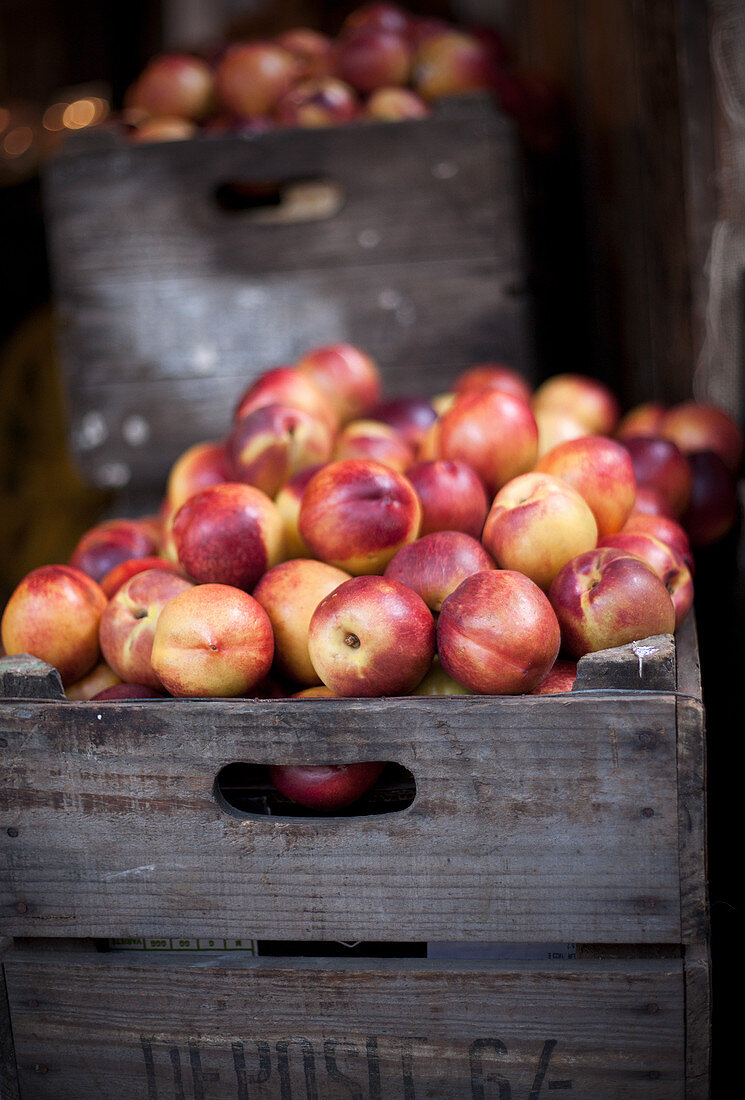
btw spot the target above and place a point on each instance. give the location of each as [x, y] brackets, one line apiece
[569, 818]
[576, 817]
[405, 238]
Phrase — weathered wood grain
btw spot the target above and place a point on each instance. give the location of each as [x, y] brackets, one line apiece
[218, 1028]
[368, 163]
[692, 794]
[351, 730]
[688, 663]
[486, 821]
[535, 818]
[25, 677]
[165, 301]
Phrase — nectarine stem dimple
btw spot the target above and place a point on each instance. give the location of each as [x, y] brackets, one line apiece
[352, 641]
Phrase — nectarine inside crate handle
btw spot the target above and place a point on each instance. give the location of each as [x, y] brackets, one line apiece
[358, 788]
[285, 201]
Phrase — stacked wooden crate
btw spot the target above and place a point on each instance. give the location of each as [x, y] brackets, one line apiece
[405, 239]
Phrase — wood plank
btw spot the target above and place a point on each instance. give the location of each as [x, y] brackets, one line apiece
[688, 663]
[545, 35]
[122, 1028]
[692, 793]
[698, 1022]
[158, 199]
[692, 815]
[545, 818]
[604, 59]
[398, 304]
[446, 316]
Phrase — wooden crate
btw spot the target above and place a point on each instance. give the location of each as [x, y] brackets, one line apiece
[168, 305]
[570, 818]
[574, 817]
[387, 1030]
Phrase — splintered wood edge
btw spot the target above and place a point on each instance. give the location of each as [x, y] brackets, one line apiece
[596, 1006]
[648, 664]
[26, 677]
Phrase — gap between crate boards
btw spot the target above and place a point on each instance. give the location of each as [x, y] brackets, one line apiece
[315, 953]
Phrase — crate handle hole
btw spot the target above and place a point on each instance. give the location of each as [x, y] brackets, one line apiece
[281, 202]
[245, 789]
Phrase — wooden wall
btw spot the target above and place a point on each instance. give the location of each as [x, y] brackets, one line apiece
[720, 372]
[635, 199]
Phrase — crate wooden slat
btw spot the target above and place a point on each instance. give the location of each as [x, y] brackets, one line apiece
[535, 818]
[545, 818]
[112, 1027]
[166, 300]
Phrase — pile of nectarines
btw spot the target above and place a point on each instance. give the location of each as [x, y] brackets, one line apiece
[335, 543]
[384, 64]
